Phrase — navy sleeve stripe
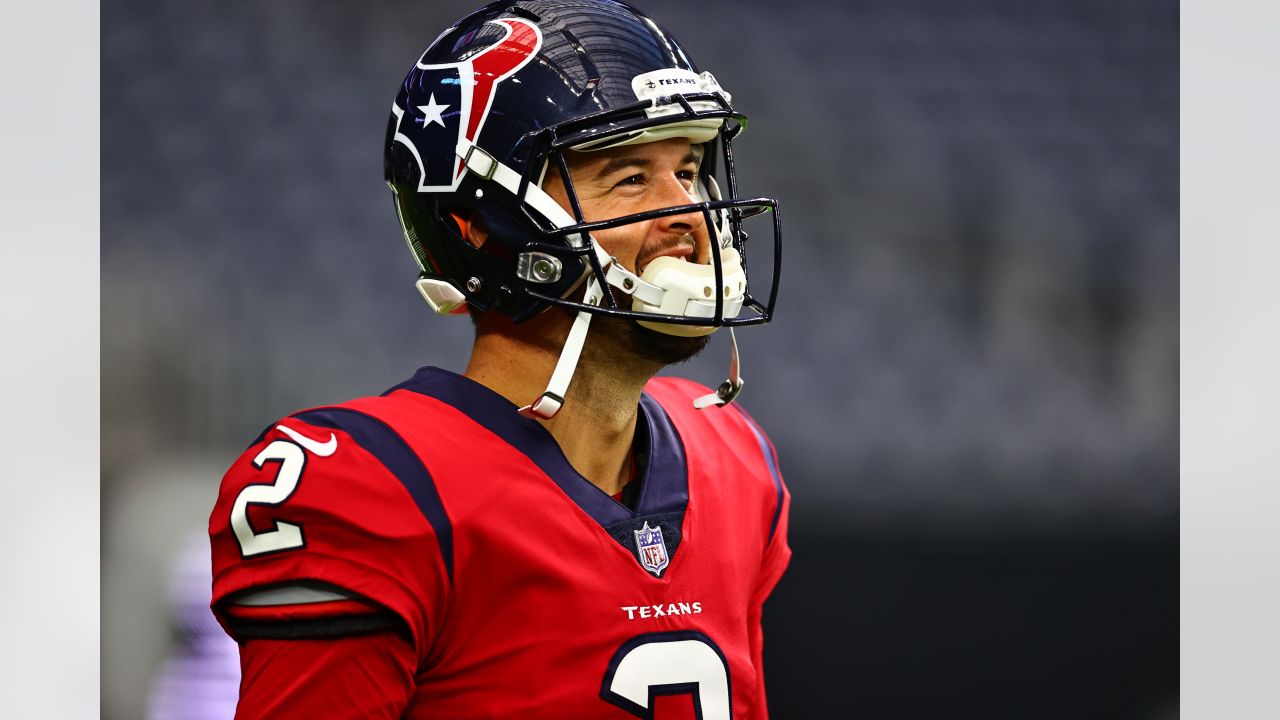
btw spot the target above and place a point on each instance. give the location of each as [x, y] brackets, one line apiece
[379, 440]
[772, 462]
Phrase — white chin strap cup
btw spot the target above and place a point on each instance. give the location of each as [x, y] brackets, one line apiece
[690, 290]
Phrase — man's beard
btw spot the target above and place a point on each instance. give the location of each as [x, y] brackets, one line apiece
[651, 345]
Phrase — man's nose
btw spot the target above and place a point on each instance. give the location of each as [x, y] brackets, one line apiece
[673, 193]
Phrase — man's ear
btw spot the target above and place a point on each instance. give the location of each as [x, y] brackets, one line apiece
[471, 226]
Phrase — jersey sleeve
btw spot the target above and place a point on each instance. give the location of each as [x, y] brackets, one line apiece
[334, 499]
[364, 676]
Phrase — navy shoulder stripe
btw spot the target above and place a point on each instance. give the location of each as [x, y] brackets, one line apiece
[385, 444]
[772, 463]
[261, 435]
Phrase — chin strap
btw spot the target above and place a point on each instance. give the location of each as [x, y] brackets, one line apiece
[550, 401]
[729, 389]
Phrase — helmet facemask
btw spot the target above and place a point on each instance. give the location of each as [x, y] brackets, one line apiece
[670, 295]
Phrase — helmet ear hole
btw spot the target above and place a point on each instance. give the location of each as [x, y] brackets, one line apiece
[470, 226]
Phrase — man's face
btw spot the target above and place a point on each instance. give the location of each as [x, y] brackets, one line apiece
[636, 178]
[631, 179]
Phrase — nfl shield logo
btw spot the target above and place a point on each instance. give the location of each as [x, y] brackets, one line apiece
[653, 552]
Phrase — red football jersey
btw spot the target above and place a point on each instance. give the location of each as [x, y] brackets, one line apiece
[527, 591]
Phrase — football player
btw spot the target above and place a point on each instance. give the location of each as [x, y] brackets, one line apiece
[554, 533]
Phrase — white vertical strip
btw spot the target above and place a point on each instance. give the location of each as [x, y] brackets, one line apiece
[1230, 390]
[49, 335]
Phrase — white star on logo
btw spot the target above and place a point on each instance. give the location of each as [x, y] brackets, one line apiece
[432, 112]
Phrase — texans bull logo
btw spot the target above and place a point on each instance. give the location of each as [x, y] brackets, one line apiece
[459, 96]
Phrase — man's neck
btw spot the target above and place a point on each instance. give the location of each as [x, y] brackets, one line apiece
[595, 427]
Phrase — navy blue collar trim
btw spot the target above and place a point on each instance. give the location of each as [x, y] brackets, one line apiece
[664, 477]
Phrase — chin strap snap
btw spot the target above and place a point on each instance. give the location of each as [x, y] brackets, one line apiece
[729, 389]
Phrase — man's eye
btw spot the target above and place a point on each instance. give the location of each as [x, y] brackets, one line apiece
[689, 175]
[632, 180]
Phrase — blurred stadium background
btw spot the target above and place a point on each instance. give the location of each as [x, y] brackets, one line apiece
[971, 382]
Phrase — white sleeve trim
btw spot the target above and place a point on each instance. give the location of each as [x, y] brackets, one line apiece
[293, 594]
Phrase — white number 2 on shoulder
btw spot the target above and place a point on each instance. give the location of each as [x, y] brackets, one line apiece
[285, 536]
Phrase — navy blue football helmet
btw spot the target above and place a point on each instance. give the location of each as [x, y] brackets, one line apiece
[489, 110]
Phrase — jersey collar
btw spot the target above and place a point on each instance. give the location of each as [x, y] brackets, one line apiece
[664, 477]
